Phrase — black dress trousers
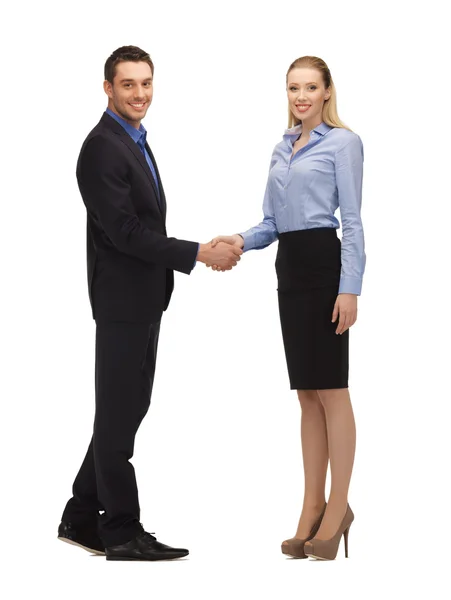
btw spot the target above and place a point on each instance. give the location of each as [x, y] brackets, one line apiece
[124, 373]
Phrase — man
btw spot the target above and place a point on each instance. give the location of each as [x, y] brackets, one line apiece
[130, 280]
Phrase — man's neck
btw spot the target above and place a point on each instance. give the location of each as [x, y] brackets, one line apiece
[135, 124]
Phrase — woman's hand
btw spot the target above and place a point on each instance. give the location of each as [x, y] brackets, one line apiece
[346, 308]
[233, 240]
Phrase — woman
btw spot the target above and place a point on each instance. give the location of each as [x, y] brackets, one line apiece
[315, 169]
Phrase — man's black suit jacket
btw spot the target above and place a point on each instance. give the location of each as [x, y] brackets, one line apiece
[130, 258]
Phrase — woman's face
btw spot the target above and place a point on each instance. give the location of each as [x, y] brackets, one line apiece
[306, 95]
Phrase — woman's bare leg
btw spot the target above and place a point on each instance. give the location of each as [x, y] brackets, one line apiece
[315, 459]
[341, 438]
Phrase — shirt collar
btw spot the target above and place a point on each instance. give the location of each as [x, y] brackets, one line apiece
[138, 135]
[296, 131]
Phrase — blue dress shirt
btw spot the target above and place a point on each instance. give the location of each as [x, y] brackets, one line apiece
[305, 190]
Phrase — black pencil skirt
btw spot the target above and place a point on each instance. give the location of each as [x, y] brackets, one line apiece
[308, 266]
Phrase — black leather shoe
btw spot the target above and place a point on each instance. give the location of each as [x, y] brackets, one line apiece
[144, 547]
[84, 537]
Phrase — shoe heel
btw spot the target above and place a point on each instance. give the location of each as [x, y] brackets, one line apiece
[345, 535]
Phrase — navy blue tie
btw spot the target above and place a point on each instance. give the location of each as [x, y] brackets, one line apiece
[142, 147]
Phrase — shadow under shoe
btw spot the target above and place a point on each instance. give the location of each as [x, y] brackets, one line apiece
[327, 549]
[295, 546]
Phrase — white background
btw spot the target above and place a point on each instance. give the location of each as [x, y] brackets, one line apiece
[218, 458]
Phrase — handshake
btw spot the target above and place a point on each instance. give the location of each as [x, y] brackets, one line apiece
[222, 253]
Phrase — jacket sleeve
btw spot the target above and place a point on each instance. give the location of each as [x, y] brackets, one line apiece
[102, 178]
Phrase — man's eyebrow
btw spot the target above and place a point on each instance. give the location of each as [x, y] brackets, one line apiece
[131, 80]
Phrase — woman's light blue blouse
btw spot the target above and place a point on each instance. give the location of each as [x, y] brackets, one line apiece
[305, 191]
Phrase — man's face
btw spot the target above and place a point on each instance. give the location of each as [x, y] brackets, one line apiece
[131, 92]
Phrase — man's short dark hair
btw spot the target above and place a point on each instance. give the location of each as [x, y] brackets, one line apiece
[122, 54]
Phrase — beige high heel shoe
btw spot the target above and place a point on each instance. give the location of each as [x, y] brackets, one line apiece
[327, 549]
[295, 546]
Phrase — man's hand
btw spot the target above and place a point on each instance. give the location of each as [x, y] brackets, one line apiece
[224, 256]
[233, 240]
[346, 307]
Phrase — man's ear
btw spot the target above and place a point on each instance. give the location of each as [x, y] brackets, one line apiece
[108, 88]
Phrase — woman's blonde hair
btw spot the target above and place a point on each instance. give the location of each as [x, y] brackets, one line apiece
[330, 114]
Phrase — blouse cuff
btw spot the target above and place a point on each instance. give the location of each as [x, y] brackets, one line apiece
[350, 285]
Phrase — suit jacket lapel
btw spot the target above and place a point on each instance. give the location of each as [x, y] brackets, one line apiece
[133, 146]
[140, 158]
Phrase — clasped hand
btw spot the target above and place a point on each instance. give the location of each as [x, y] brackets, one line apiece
[222, 253]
